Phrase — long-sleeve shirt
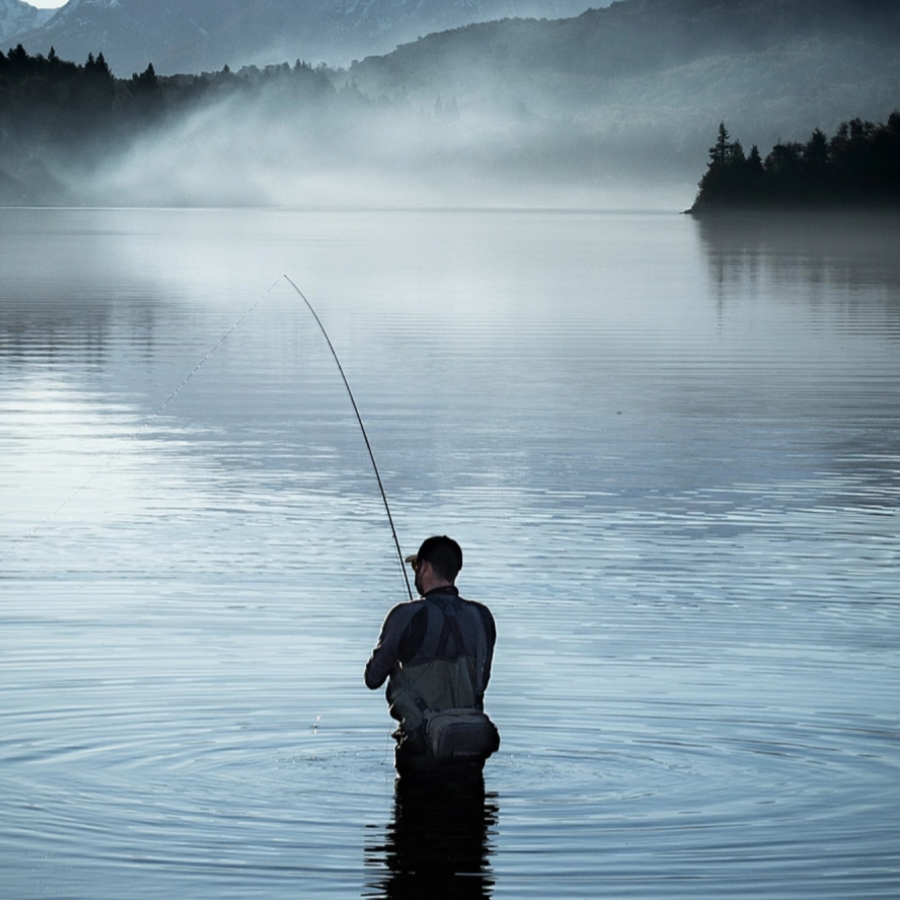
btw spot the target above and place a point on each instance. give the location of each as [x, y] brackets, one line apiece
[436, 653]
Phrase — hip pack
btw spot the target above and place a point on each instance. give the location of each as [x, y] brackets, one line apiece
[461, 734]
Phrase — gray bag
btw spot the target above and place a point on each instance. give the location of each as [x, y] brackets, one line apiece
[461, 734]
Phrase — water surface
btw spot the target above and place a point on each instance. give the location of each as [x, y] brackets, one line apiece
[670, 450]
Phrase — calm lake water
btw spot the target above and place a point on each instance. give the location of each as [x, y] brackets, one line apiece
[670, 450]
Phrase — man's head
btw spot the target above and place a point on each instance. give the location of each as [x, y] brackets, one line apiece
[443, 555]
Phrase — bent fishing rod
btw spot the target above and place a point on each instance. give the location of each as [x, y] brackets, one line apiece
[184, 383]
[362, 427]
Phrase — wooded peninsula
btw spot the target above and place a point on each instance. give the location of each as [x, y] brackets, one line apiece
[858, 167]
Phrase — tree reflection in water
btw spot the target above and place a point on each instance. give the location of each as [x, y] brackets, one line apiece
[437, 844]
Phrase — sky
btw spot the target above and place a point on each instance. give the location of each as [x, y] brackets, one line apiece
[46, 4]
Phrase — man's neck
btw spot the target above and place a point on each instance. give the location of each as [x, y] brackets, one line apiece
[443, 587]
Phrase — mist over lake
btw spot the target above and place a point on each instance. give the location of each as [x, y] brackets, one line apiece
[669, 448]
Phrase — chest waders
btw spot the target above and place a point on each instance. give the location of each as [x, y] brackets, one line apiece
[438, 702]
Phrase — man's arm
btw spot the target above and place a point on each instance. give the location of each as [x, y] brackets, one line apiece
[490, 629]
[384, 656]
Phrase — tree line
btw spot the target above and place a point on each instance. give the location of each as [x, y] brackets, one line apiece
[57, 114]
[46, 91]
[858, 166]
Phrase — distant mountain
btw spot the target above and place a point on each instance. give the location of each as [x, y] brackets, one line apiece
[636, 38]
[183, 36]
[655, 77]
[17, 17]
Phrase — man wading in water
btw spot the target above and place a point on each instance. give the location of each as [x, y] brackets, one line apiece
[436, 653]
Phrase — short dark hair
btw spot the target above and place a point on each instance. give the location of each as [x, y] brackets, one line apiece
[444, 554]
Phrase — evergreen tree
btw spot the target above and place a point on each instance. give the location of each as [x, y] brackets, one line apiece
[102, 68]
[720, 152]
[147, 80]
[19, 58]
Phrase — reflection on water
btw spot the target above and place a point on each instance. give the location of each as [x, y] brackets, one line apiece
[824, 251]
[438, 843]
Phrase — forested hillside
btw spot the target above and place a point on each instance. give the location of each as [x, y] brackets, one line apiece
[61, 122]
[673, 56]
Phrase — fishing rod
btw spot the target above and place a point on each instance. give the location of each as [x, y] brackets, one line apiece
[387, 508]
[10, 549]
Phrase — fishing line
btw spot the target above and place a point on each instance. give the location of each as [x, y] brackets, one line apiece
[387, 508]
[140, 430]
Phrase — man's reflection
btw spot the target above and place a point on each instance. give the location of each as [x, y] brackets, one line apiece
[437, 844]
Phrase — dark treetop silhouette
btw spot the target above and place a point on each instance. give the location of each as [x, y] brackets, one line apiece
[858, 167]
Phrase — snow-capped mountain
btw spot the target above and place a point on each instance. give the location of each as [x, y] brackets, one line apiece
[197, 35]
[17, 17]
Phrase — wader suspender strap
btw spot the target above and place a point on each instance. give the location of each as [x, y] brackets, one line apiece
[451, 627]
